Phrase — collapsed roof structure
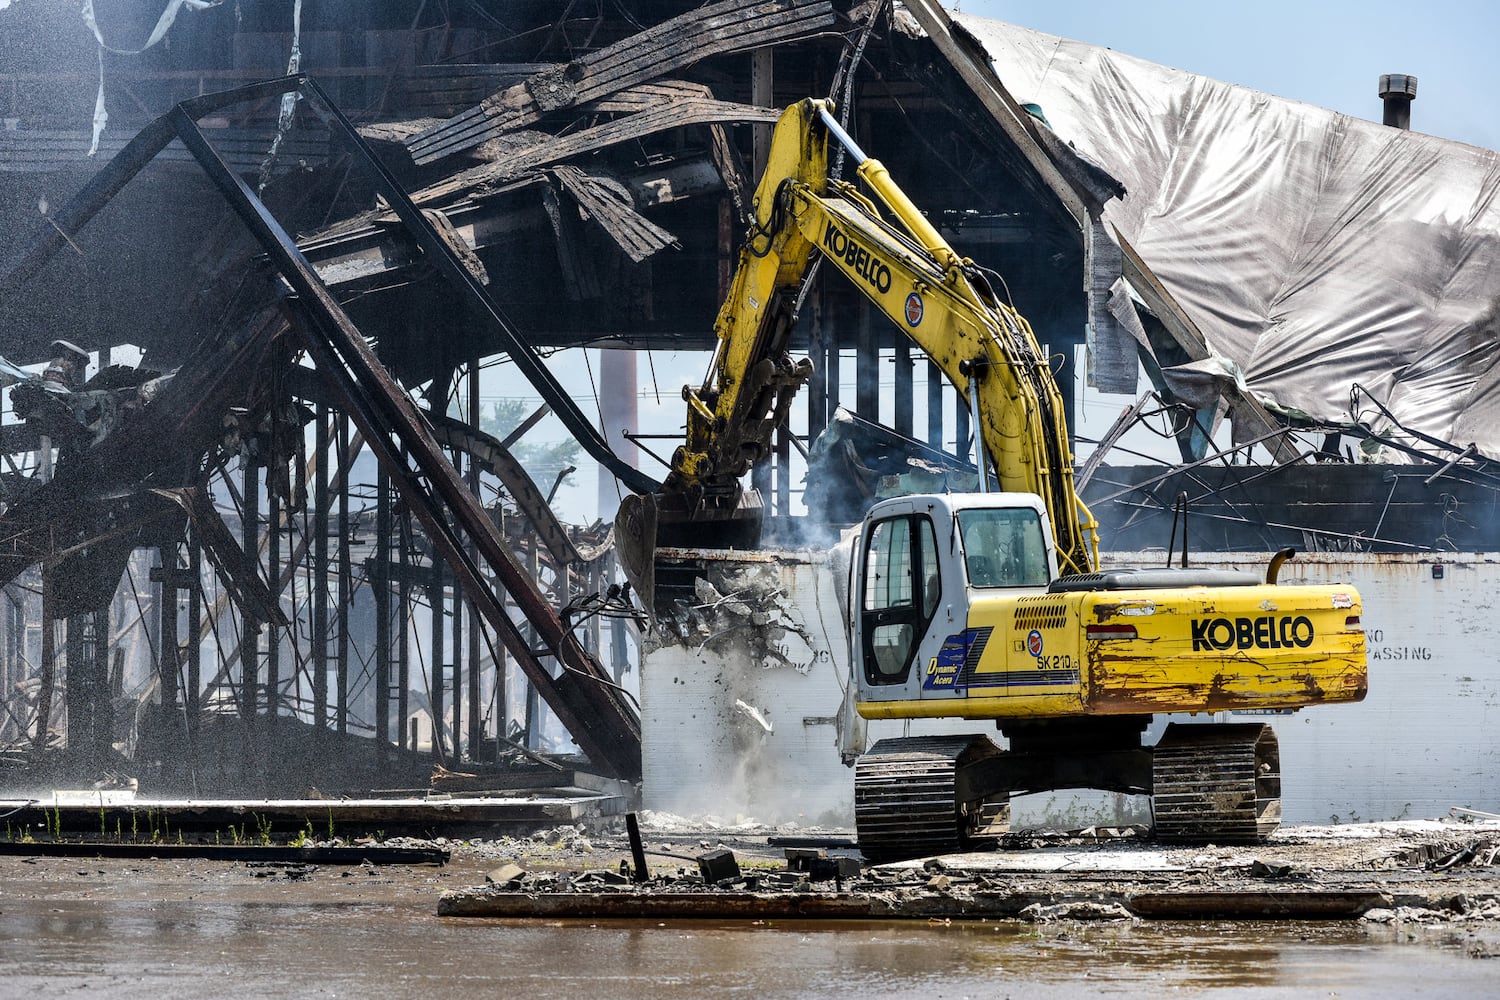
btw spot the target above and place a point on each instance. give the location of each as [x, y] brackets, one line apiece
[440, 189]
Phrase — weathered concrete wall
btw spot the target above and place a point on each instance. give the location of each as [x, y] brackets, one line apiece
[738, 716]
[1423, 739]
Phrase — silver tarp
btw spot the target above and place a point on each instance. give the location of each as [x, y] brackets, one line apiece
[1315, 251]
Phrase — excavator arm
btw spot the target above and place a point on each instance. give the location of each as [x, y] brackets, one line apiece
[901, 263]
[949, 309]
[752, 380]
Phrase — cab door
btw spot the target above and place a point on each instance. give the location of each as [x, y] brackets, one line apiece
[899, 594]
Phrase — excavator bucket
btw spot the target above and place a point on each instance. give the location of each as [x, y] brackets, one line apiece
[647, 521]
[635, 546]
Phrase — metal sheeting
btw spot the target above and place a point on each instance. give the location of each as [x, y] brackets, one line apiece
[1314, 250]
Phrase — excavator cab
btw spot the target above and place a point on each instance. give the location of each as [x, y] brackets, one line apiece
[924, 562]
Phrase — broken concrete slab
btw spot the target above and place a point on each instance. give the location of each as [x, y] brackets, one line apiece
[718, 866]
[506, 876]
[940, 897]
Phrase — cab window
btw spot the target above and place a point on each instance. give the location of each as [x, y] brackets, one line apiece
[1003, 547]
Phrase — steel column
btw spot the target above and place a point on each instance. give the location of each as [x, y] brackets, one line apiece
[902, 419]
[403, 631]
[249, 626]
[193, 695]
[319, 589]
[345, 590]
[380, 584]
[436, 600]
[475, 726]
[935, 406]
[273, 575]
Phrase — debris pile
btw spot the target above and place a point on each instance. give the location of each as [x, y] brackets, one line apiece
[1461, 909]
[1103, 874]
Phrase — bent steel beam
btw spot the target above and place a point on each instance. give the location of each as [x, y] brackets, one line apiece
[439, 253]
[583, 697]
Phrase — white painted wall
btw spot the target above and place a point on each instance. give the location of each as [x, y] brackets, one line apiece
[703, 755]
[1423, 740]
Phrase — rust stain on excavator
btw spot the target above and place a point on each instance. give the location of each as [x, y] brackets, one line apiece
[1141, 683]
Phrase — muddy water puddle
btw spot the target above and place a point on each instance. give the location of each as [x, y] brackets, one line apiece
[265, 948]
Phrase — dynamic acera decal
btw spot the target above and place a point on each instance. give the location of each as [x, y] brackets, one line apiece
[956, 659]
[955, 668]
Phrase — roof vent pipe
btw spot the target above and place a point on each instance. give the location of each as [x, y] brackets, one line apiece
[1398, 90]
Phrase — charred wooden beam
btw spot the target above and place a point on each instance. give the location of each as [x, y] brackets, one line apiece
[662, 118]
[364, 249]
[576, 257]
[728, 26]
[607, 204]
[441, 256]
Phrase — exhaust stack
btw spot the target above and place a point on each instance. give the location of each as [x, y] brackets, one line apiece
[1398, 90]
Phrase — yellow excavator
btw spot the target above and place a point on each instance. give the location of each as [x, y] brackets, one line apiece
[991, 605]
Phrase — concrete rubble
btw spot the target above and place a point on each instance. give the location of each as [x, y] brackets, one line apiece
[1423, 871]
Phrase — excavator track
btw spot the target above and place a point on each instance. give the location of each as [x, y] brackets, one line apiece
[907, 799]
[1216, 783]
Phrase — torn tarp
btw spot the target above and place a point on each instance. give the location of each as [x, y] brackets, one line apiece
[163, 25]
[1313, 250]
[11, 374]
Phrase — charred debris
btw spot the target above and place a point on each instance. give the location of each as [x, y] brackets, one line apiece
[254, 535]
